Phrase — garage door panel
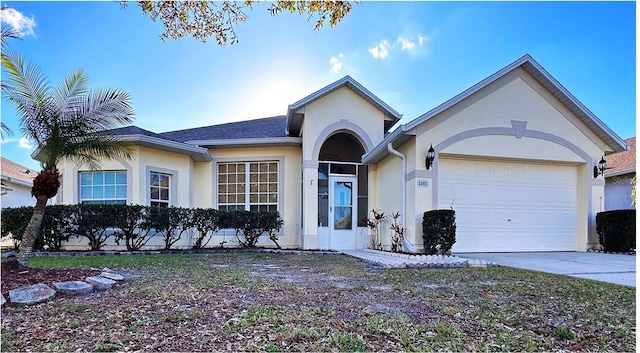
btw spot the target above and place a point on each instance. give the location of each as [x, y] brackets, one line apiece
[504, 206]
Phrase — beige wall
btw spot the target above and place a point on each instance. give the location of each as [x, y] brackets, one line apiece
[562, 137]
[290, 188]
[340, 111]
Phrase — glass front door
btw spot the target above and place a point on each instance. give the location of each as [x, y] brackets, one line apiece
[342, 216]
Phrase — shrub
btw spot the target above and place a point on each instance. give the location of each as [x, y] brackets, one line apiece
[248, 224]
[133, 226]
[439, 231]
[56, 227]
[617, 230]
[14, 222]
[171, 222]
[94, 222]
[270, 223]
[206, 221]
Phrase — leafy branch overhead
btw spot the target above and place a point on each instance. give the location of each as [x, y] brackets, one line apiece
[205, 19]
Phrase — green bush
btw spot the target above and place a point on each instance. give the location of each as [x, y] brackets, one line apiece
[617, 230]
[94, 222]
[206, 221]
[56, 227]
[14, 222]
[439, 231]
[134, 227]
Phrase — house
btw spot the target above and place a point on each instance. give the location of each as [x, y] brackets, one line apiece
[618, 177]
[17, 181]
[513, 156]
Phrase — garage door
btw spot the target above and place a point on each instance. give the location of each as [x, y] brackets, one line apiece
[508, 206]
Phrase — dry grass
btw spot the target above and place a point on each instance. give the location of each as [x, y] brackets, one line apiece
[275, 302]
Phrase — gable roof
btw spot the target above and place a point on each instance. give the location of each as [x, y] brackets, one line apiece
[622, 162]
[17, 173]
[295, 112]
[528, 64]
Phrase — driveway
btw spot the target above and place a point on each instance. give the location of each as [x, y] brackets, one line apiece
[612, 268]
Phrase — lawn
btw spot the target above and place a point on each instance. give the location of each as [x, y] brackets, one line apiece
[283, 302]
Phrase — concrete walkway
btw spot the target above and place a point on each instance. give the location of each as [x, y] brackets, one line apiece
[611, 268]
[395, 260]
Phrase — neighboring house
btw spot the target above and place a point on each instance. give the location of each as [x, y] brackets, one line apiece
[514, 157]
[17, 181]
[618, 176]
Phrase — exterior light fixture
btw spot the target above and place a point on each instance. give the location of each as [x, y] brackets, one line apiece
[431, 155]
[600, 168]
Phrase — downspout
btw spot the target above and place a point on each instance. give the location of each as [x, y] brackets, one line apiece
[403, 207]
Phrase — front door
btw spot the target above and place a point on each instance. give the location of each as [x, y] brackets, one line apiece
[343, 212]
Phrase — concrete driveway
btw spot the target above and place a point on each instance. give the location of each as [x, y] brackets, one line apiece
[612, 268]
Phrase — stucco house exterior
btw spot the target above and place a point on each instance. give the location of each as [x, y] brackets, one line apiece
[17, 181]
[514, 157]
[16, 184]
[618, 177]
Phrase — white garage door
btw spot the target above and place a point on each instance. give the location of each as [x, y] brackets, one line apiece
[507, 206]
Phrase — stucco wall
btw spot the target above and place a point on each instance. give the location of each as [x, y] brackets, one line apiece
[513, 118]
[289, 184]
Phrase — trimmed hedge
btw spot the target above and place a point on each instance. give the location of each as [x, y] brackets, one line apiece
[617, 230]
[135, 225]
[439, 231]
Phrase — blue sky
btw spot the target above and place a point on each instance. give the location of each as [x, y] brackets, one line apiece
[413, 55]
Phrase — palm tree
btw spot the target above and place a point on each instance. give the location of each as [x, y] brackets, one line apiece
[6, 34]
[66, 122]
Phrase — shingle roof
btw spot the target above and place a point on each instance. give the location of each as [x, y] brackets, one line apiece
[257, 128]
[16, 171]
[622, 161]
[134, 130]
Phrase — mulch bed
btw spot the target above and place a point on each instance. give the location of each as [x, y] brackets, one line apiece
[16, 275]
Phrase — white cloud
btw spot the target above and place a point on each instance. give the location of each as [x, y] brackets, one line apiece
[20, 23]
[422, 39]
[406, 43]
[380, 50]
[24, 143]
[336, 63]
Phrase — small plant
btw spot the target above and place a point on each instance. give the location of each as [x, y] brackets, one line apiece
[439, 231]
[397, 233]
[373, 224]
[565, 333]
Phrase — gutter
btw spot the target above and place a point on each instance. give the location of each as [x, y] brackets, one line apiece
[407, 245]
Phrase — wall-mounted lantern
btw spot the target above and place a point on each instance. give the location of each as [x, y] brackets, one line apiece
[600, 168]
[431, 155]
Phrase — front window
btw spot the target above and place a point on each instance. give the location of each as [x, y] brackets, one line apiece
[103, 187]
[251, 186]
[159, 189]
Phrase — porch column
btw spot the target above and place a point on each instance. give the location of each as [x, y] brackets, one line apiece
[310, 205]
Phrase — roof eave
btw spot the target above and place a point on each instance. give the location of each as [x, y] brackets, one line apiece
[352, 84]
[620, 172]
[248, 142]
[198, 154]
[16, 181]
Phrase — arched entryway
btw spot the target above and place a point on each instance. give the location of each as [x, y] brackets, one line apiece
[342, 192]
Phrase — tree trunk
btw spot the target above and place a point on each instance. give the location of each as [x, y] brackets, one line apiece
[33, 228]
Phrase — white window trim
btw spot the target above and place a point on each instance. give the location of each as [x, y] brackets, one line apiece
[128, 184]
[281, 176]
[173, 184]
[76, 180]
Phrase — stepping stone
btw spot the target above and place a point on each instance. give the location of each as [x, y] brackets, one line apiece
[112, 276]
[31, 295]
[2, 301]
[100, 283]
[107, 269]
[73, 287]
